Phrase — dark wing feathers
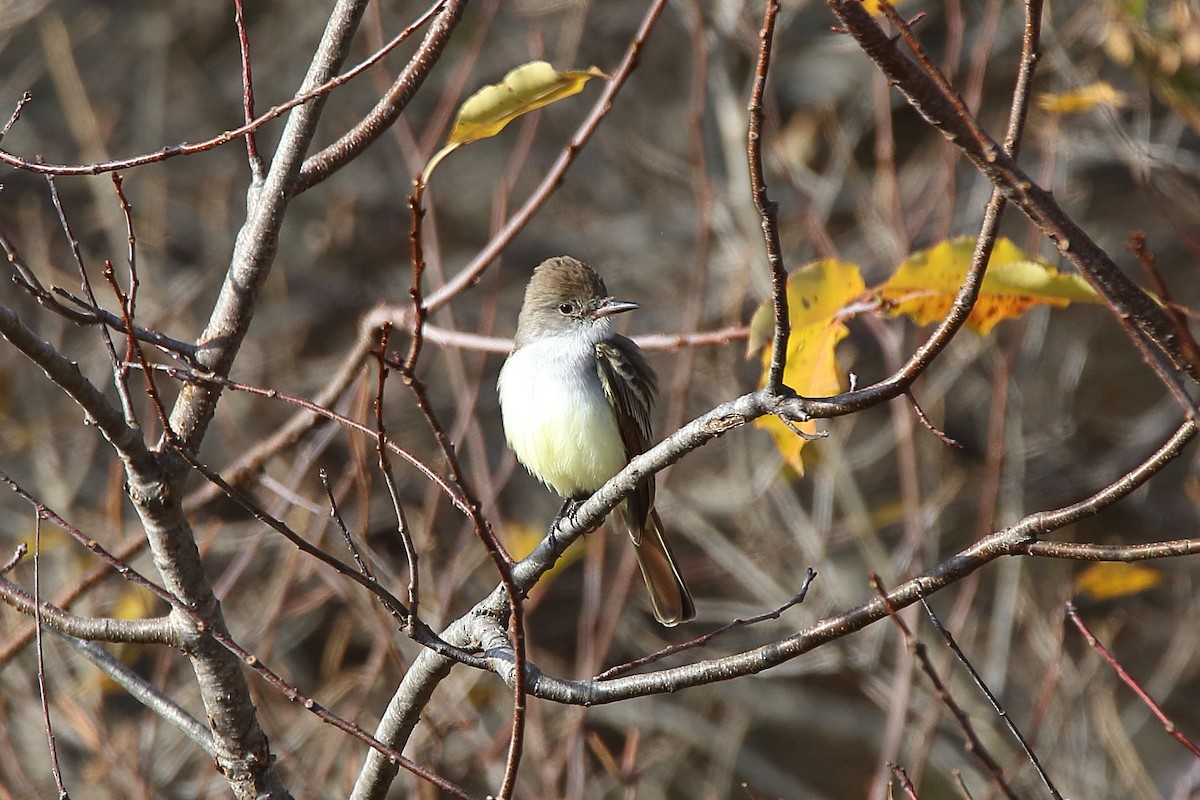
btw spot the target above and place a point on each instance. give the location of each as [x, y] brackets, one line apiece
[630, 384]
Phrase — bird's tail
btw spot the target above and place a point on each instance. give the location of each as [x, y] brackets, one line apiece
[669, 596]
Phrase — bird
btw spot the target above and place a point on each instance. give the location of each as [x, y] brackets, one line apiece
[575, 401]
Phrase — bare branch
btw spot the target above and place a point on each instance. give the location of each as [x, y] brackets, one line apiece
[93, 629]
[767, 209]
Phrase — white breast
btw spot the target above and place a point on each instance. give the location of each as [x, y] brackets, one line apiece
[557, 418]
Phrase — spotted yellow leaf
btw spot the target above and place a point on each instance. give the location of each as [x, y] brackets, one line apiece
[1108, 580]
[816, 293]
[924, 286]
[525, 88]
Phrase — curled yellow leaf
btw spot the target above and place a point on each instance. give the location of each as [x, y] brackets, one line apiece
[924, 286]
[525, 88]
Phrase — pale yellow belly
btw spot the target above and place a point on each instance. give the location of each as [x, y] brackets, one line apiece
[559, 423]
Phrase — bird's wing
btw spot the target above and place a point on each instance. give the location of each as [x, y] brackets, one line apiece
[629, 383]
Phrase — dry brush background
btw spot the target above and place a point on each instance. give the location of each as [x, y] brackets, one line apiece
[1048, 409]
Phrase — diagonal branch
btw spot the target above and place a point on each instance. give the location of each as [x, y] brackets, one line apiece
[1021, 538]
[321, 165]
[1146, 323]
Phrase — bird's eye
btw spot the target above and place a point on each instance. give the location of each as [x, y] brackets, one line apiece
[565, 308]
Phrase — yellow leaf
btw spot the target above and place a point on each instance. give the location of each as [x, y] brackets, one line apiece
[1108, 580]
[925, 284]
[525, 88]
[1085, 98]
[816, 293]
[872, 6]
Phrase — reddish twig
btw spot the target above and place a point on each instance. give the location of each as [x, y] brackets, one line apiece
[906, 783]
[917, 648]
[184, 149]
[501, 558]
[252, 661]
[1136, 243]
[419, 311]
[256, 162]
[1131, 682]
[131, 259]
[991, 697]
[929, 426]
[385, 466]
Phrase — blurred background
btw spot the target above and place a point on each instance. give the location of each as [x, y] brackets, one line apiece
[1048, 409]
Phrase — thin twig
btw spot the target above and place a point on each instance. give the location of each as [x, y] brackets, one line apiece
[502, 560]
[975, 745]
[336, 515]
[114, 360]
[768, 209]
[701, 641]
[385, 466]
[16, 114]
[252, 661]
[419, 311]
[929, 426]
[999, 709]
[1168, 724]
[256, 161]
[18, 554]
[1136, 243]
[906, 783]
[315, 408]
[55, 770]
[130, 301]
[184, 149]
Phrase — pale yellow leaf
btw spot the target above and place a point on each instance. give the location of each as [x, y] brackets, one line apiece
[528, 87]
[1084, 98]
[525, 88]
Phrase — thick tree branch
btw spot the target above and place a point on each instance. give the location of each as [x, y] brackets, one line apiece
[321, 165]
[1019, 539]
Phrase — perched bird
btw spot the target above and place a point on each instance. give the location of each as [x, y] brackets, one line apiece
[575, 397]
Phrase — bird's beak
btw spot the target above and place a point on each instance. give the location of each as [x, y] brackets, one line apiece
[608, 306]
